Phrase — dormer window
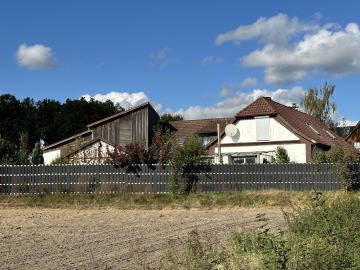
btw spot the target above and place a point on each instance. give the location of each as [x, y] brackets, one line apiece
[330, 134]
[313, 129]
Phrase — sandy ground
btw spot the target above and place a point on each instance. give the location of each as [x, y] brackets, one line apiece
[111, 239]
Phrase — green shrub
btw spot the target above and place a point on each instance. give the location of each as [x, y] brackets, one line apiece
[345, 165]
[60, 160]
[281, 155]
[322, 236]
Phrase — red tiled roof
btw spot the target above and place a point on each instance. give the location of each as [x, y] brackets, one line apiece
[124, 112]
[296, 121]
[258, 107]
[211, 127]
[187, 127]
[67, 139]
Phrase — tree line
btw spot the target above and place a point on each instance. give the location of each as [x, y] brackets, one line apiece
[23, 123]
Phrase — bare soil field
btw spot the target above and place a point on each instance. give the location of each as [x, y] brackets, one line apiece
[34, 238]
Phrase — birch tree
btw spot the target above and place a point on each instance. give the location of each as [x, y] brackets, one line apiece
[319, 103]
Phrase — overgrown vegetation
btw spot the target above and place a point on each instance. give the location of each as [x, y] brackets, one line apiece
[127, 200]
[185, 160]
[11, 154]
[344, 164]
[322, 235]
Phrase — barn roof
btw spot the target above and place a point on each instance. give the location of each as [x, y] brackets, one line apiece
[143, 105]
[67, 139]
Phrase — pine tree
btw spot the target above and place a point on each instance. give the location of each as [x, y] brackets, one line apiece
[37, 155]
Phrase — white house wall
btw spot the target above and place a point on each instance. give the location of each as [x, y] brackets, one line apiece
[89, 154]
[296, 152]
[50, 156]
[279, 133]
[246, 132]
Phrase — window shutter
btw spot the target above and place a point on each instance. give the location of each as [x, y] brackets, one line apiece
[262, 128]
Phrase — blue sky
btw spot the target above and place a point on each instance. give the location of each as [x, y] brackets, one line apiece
[202, 59]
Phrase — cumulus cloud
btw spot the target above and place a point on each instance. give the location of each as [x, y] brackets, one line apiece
[325, 49]
[227, 88]
[276, 29]
[236, 102]
[125, 99]
[351, 123]
[207, 60]
[35, 57]
[334, 52]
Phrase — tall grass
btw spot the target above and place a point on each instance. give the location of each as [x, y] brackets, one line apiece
[323, 235]
[246, 199]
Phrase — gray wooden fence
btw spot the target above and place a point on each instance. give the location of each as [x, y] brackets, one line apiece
[155, 178]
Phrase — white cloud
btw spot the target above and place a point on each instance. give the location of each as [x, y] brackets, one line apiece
[236, 102]
[100, 64]
[351, 123]
[334, 52]
[125, 99]
[276, 29]
[225, 91]
[35, 57]
[226, 88]
[207, 60]
[325, 49]
[157, 106]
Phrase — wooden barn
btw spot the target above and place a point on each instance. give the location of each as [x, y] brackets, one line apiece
[131, 126]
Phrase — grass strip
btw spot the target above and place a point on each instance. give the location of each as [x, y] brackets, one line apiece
[245, 199]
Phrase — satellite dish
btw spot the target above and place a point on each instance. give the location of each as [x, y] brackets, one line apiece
[230, 130]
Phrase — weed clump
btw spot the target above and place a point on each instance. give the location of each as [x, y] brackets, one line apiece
[323, 235]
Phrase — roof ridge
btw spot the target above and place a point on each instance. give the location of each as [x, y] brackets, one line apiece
[252, 104]
[203, 119]
[293, 109]
[123, 112]
[66, 139]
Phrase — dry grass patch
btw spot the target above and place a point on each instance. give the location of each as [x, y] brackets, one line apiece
[149, 201]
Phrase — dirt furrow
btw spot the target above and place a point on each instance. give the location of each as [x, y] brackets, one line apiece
[123, 239]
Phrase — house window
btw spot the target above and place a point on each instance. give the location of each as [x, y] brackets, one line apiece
[347, 130]
[244, 160]
[262, 128]
[206, 140]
